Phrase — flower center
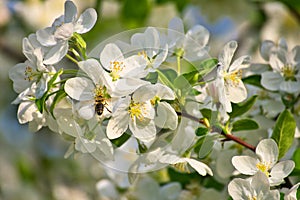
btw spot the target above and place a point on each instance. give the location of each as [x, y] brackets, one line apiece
[155, 100]
[264, 167]
[29, 74]
[136, 110]
[252, 198]
[233, 78]
[289, 72]
[116, 68]
[182, 167]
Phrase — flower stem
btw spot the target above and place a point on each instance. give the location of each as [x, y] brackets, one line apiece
[72, 59]
[178, 65]
[215, 128]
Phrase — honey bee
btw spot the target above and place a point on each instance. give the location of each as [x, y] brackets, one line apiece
[100, 104]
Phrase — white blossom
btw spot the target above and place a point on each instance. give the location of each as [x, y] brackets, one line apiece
[266, 162]
[56, 37]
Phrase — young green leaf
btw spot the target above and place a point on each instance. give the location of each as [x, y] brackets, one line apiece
[200, 131]
[186, 80]
[296, 158]
[253, 80]
[241, 108]
[244, 124]
[207, 65]
[167, 77]
[284, 132]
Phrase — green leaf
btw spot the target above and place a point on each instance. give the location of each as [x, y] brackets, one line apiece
[241, 108]
[296, 158]
[253, 80]
[244, 124]
[206, 113]
[40, 103]
[284, 132]
[121, 140]
[207, 65]
[186, 80]
[59, 96]
[152, 77]
[200, 131]
[167, 77]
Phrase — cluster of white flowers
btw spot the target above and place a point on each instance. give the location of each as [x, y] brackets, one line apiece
[134, 112]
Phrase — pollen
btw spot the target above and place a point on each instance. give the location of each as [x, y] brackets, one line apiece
[143, 54]
[182, 167]
[252, 198]
[234, 77]
[136, 110]
[116, 68]
[289, 72]
[263, 167]
[29, 74]
[155, 100]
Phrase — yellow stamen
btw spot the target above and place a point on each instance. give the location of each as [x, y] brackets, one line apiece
[264, 167]
[136, 110]
[233, 78]
[155, 100]
[289, 72]
[116, 68]
[144, 54]
[29, 74]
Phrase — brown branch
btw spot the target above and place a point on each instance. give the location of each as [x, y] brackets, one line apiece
[227, 136]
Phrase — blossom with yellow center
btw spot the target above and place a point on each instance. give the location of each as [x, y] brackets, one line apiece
[265, 162]
[233, 78]
[136, 111]
[116, 68]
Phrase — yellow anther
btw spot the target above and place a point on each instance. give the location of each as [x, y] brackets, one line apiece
[29, 74]
[155, 100]
[233, 78]
[263, 167]
[116, 68]
[136, 110]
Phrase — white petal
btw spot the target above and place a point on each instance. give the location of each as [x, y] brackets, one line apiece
[276, 63]
[166, 116]
[144, 93]
[237, 93]
[290, 86]
[70, 12]
[86, 21]
[144, 131]
[266, 48]
[240, 63]
[226, 55]
[260, 183]
[282, 169]
[80, 88]
[87, 111]
[56, 53]
[292, 193]
[69, 126]
[106, 147]
[46, 37]
[127, 86]
[17, 75]
[170, 159]
[25, 111]
[239, 189]
[271, 80]
[200, 167]
[267, 150]
[134, 67]
[110, 53]
[93, 69]
[118, 124]
[164, 92]
[245, 164]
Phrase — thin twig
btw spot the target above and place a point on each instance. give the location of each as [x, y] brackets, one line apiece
[228, 136]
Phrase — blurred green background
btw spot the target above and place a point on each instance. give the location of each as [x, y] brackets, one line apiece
[32, 165]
